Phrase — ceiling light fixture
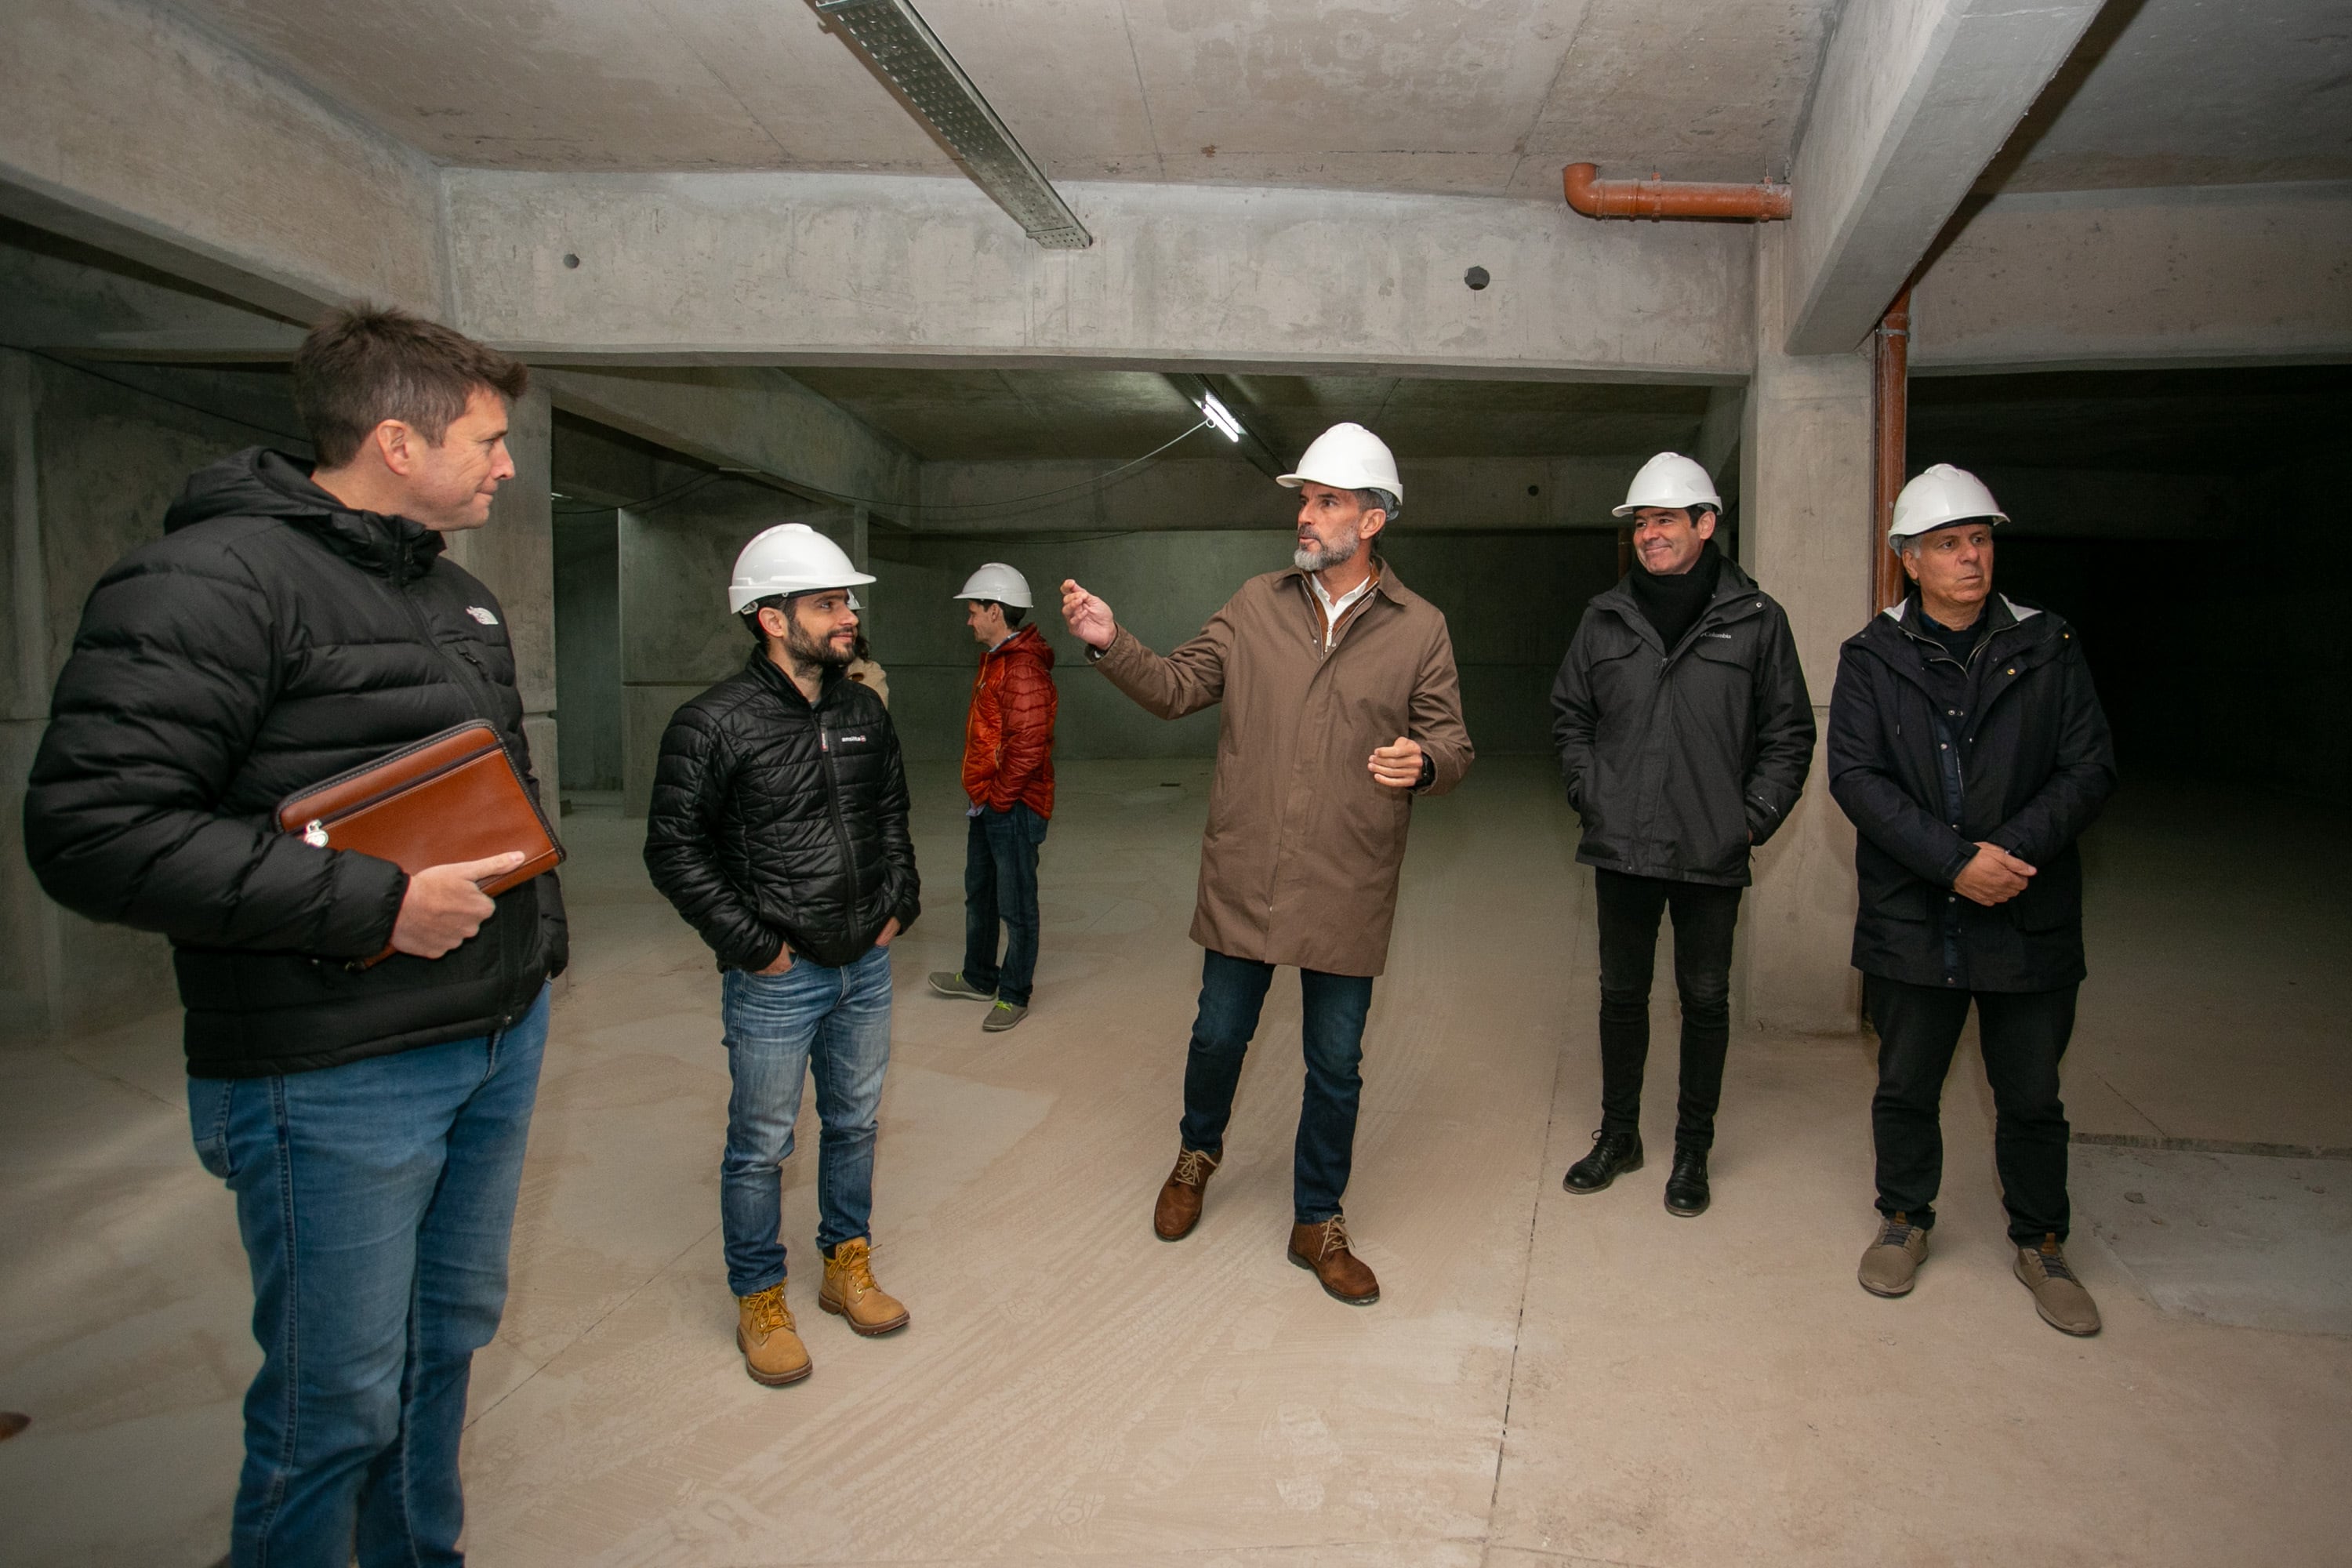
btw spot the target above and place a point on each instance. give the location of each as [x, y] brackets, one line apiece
[1218, 417]
[907, 53]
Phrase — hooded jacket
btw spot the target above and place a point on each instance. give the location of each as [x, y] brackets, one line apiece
[1680, 759]
[774, 821]
[2026, 761]
[272, 638]
[1008, 732]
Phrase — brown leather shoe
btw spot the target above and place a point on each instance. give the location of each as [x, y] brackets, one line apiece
[1324, 1249]
[1179, 1209]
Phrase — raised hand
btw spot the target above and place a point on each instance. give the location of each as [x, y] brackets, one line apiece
[1089, 618]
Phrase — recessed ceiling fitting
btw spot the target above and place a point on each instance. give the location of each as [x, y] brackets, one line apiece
[906, 53]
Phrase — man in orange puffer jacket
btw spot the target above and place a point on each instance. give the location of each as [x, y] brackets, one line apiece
[1008, 772]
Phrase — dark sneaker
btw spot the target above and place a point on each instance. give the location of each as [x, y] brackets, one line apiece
[1614, 1154]
[1004, 1016]
[946, 982]
[1891, 1264]
[2058, 1296]
[1686, 1193]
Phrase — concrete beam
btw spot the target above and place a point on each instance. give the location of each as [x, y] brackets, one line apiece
[2204, 276]
[129, 129]
[758, 421]
[98, 308]
[1444, 495]
[841, 268]
[1915, 98]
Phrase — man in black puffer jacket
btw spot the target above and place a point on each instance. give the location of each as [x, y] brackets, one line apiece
[778, 829]
[291, 625]
[1968, 745]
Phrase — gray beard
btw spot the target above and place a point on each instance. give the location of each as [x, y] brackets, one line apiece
[1307, 558]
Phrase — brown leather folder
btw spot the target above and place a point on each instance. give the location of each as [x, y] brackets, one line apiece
[452, 797]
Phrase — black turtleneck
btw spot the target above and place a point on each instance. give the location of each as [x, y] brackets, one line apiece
[1675, 604]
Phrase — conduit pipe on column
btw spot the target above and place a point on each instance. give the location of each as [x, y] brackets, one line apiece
[1763, 202]
[1890, 411]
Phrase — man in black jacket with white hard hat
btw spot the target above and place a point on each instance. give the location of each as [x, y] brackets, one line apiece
[293, 623]
[778, 830]
[1684, 733]
[1967, 745]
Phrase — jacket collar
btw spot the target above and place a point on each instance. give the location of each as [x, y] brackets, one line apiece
[1736, 597]
[1385, 585]
[1024, 639]
[763, 669]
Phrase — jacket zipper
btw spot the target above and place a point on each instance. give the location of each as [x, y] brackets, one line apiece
[832, 804]
[510, 963]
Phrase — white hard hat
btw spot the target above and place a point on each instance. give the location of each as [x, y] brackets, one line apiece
[1349, 457]
[790, 558]
[1939, 496]
[1669, 479]
[1000, 583]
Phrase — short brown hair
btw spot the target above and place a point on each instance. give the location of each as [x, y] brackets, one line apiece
[369, 364]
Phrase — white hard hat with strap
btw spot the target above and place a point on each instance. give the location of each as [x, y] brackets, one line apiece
[790, 558]
[1000, 584]
[1347, 456]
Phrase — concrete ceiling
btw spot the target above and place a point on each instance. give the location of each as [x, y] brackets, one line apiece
[986, 416]
[1460, 96]
[2192, 92]
[1483, 96]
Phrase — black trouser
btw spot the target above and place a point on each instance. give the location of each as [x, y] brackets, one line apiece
[2023, 1034]
[1705, 917]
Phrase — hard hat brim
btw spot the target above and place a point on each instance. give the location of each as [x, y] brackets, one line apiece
[740, 599]
[1895, 533]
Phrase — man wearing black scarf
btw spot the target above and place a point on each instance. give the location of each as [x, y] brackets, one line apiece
[1685, 735]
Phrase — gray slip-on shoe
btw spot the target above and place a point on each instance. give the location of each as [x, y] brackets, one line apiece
[2058, 1296]
[1890, 1264]
[951, 983]
[1003, 1016]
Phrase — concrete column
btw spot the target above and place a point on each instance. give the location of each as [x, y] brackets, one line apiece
[514, 553]
[30, 960]
[1805, 509]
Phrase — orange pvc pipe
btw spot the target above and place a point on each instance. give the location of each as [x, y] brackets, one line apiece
[1760, 203]
[1891, 418]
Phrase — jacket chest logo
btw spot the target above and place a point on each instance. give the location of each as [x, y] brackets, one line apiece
[481, 614]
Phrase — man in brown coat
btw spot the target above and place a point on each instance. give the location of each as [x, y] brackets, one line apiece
[1340, 705]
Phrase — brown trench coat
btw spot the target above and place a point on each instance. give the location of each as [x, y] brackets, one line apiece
[1299, 862]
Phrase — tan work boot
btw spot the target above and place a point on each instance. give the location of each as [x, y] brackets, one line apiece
[2058, 1296]
[1324, 1249]
[1178, 1209]
[1891, 1263]
[849, 1292]
[773, 1352]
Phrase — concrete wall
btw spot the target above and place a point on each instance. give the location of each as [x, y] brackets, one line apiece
[2216, 275]
[90, 468]
[588, 648]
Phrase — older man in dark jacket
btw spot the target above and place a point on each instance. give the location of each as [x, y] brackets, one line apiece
[1684, 733]
[1967, 745]
[293, 623]
[778, 829]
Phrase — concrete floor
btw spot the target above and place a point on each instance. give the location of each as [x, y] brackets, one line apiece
[1546, 1379]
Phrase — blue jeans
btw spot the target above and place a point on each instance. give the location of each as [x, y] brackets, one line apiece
[999, 886]
[782, 1028]
[375, 1200]
[1233, 990]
